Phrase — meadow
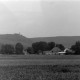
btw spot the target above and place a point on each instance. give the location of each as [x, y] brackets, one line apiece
[38, 67]
[40, 72]
[39, 60]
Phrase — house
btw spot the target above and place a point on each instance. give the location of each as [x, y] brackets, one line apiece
[62, 53]
[69, 51]
[66, 51]
[55, 51]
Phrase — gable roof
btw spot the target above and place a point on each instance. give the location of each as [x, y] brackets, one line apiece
[55, 49]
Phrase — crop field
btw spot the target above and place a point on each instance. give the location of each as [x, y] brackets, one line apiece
[39, 67]
[40, 72]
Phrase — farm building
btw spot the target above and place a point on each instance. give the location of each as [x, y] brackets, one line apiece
[63, 52]
[66, 51]
[57, 51]
[54, 51]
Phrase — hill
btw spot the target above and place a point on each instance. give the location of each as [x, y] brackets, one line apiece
[15, 38]
[67, 41]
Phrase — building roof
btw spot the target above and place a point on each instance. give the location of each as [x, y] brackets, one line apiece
[56, 49]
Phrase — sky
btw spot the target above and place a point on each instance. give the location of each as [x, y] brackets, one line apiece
[40, 18]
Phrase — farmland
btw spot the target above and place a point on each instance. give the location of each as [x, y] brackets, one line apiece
[39, 67]
[40, 72]
[39, 60]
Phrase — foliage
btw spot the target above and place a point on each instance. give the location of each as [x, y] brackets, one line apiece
[38, 72]
[76, 47]
[19, 48]
[60, 46]
[51, 45]
[7, 49]
[39, 46]
[30, 50]
[69, 53]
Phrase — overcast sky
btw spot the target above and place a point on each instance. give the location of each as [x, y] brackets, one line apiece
[40, 18]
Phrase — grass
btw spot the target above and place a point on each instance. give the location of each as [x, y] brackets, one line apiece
[40, 72]
[35, 67]
[44, 57]
[39, 60]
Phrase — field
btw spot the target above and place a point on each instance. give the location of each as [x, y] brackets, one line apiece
[38, 67]
[40, 72]
[39, 60]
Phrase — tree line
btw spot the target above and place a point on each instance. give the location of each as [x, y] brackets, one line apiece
[38, 47]
[76, 48]
[10, 49]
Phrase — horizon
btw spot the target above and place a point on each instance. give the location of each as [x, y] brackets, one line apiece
[37, 37]
[40, 18]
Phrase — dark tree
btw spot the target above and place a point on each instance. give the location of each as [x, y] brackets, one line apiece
[30, 50]
[7, 49]
[60, 46]
[43, 46]
[35, 47]
[51, 45]
[19, 48]
[76, 47]
[39, 46]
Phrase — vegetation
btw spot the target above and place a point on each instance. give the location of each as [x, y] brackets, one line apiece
[30, 50]
[19, 48]
[39, 47]
[7, 49]
[44, 46]
[60, 46]
[40, 72]
[76, 48]
[51, 45]
[10, 49]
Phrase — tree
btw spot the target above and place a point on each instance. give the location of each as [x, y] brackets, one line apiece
[35, 47]
[60, 46]
[76, 47]
[51, 45]
[7, 49]
[30, 50]
[43, 46]
[19, 48]
[39, 47]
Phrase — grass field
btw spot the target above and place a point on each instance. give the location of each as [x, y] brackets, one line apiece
[40, 57]
[38, 67]
[40, 72]
[39, 60]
